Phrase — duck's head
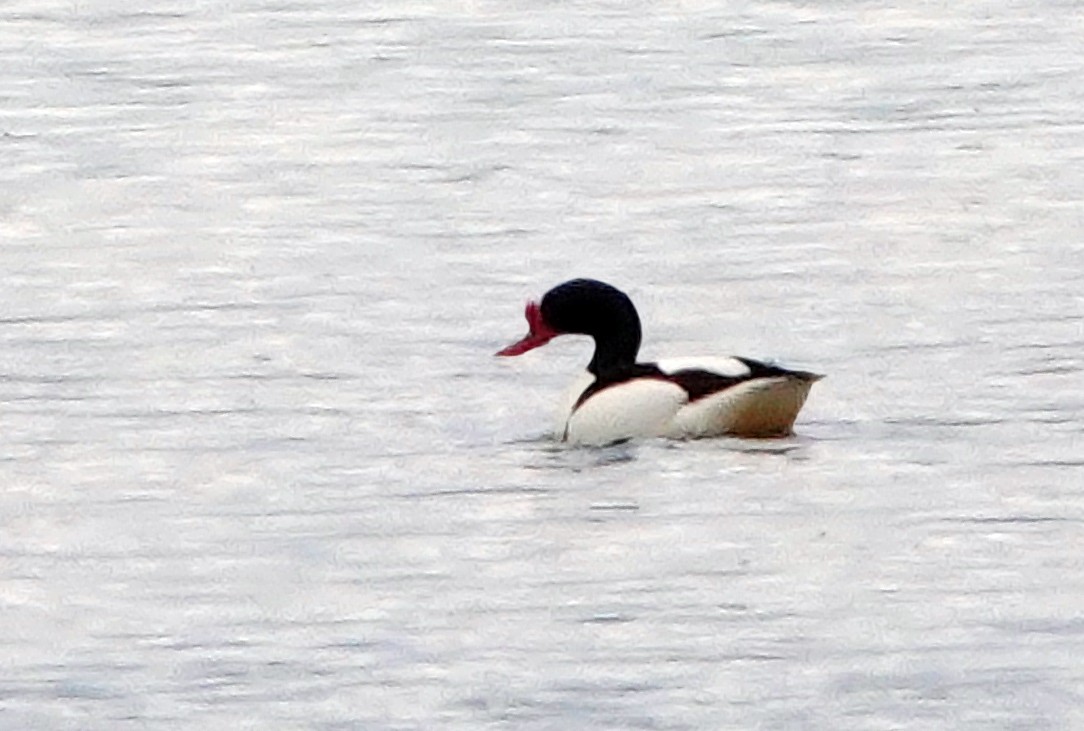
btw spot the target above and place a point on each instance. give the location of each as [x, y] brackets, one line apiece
[583, 307]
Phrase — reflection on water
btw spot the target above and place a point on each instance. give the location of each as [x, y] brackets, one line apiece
[260, 465]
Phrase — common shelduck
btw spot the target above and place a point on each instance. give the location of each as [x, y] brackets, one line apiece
[619, 399]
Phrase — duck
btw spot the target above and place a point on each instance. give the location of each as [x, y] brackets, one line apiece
[619, 398]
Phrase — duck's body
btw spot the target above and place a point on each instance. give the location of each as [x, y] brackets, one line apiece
[686, 398]
[683, 398]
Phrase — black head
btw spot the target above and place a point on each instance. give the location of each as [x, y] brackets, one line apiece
[588, 307]
[585, 307]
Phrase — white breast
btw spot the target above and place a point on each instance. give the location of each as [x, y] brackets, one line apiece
[639, 408]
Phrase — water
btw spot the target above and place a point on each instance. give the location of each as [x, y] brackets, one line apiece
[261, 470]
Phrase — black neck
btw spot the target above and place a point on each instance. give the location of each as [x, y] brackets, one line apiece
[615, 351]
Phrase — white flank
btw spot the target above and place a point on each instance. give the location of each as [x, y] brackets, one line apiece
[763, 407]
[642, 407]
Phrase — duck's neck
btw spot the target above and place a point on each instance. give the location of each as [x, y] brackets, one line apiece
[616, 350]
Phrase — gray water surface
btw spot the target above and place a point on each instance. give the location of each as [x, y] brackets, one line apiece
[260, 469]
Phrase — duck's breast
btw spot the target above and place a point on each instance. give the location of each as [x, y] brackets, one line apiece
[640, 407]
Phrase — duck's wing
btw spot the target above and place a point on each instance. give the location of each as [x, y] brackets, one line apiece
[737, 396]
